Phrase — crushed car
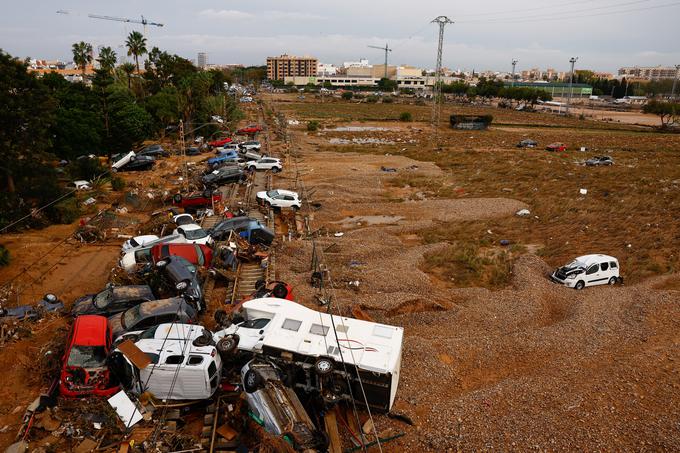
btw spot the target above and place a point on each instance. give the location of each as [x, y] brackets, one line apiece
[48, 304]
[247, 227]
[224, 175]
[148, 314]
[84, 371]
[197, 254]
[314, 347]
[182, 276]
[527, 143]
[112, 300]
[194, 200]
[138, 256]
[556, 147]
[138, 241]
[588, 270]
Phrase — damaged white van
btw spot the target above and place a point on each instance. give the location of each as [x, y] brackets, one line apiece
[588, 270]
[333, 355]
[172, 361]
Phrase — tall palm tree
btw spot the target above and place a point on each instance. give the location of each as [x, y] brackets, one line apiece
[107, 59]
[136, 44]
[82, 55]
[128, 68]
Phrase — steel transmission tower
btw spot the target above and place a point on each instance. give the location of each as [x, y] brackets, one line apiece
[437, 89]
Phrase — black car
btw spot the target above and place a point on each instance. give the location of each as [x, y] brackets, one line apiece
[192, 151]
[153, 313]
[224, 175]
[112, 300]
[182, 277]
[139, 163]
[154, 151]
[527, 144]
[247, 227]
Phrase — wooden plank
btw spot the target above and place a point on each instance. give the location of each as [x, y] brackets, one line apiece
[331, 422]
[134, 354]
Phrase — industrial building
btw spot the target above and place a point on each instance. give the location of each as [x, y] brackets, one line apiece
[649, 73]
[278, 68]
[557, 90]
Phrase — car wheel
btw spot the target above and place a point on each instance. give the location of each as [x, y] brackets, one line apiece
[215, 166]
[227, 346]
[296, 208]
[252, 168]
[132, 158]
[252, 381]
[612, 281]
[276, 170]
[323, 366]
[280, 291]
[177, 198]
[220, 317]
[579, 285]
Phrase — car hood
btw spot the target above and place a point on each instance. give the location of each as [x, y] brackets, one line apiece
[84, 306]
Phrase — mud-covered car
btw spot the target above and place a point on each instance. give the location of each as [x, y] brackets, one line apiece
[181, 277]
[153, 313]
[599, 160]
[527, 143]
[84, 371]
[112, 300]
[246, 227]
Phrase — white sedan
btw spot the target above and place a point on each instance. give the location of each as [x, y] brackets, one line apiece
[266, 163]
[280, 198]
[138, 241]
[194, 234]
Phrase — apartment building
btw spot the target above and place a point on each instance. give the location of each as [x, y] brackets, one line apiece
[278, 68]
[648, 73]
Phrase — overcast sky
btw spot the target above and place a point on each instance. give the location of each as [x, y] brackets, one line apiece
[604, 34]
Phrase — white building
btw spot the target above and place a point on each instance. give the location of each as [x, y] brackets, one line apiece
[326, 69]
[362, 63]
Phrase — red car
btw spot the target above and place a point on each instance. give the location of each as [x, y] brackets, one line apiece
[84, 371]
[198, 254]
[249, 130]
[557, 147]
[219, 142]
[196, 199]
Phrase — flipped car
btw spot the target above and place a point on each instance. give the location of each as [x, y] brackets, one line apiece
[588, 270]
[84, 372]
[112, 300]
[556, 147]
[137, 241]
[152, 313]
[279, 198]
[182, 276]
[599, 160]
[195, 200]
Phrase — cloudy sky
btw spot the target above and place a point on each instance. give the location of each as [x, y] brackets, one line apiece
[604, 34]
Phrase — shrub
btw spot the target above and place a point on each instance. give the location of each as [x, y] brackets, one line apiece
[312, 126]
[372, 99]
[117, 183]
[406, 117]
[4, 256]
[347, 95]
[66, 211]
[388, 100]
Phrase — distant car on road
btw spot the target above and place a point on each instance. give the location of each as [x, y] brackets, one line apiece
[599, 160]
[112, 300]
[556, 147]
[266, 163]
[527, 143]
[279, 198]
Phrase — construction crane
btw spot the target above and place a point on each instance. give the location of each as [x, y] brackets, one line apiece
[386, 49]
[118, 19]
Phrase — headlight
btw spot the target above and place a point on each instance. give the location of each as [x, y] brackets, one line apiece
[181, 286]
[571, 276]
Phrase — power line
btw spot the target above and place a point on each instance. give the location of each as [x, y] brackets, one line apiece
[553, 13]
[495, 13]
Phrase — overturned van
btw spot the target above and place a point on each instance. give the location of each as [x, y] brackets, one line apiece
[331, 354]
[172, 361]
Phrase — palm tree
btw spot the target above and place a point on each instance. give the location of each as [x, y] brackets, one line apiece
[136, 44]
[82, 55]
[128, 68]
[107, 59]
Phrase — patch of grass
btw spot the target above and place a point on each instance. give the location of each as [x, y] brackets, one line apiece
[466, 264]
[405, 117]
[117, 183]
[312, 126]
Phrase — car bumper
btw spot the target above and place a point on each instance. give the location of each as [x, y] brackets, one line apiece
[567, 282]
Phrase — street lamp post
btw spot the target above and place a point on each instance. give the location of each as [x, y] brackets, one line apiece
[514, 63]
[572, 60]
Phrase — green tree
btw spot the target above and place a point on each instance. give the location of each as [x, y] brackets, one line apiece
[164, 106]
[387, 84]
[666, 111]
[82, 55]
[136, 44]
[128, 69]
[107, 59]
[129, 122]
[347, 95]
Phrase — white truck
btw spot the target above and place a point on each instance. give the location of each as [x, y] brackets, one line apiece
[588, 270]
[331, 352]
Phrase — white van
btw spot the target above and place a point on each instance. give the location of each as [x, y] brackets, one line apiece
[184, 364]
[327, 350]
[588, 270]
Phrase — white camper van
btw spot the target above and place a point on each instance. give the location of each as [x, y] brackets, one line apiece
[329, 350]
[184, 364]
[588, 270]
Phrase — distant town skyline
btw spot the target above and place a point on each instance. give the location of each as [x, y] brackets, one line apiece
[604, 36]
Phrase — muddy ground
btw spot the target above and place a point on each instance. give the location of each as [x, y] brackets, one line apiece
[523, 365]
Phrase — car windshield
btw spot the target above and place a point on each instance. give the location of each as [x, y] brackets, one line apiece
[195, 234]
[272, 193]
[148, 333]
[131, 317]
[87, 356]
[574, 265]
[103, 299]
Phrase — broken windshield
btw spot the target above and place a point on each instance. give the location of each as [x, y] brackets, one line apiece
[130, 317]
[574, 265]
[103, 299]
[87, 356]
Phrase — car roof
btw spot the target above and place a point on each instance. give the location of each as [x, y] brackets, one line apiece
[133, 291]
[595, 258]
[161, 306]
[286, 192]
[90, 330]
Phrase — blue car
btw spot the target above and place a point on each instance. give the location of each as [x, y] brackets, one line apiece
[223, 157]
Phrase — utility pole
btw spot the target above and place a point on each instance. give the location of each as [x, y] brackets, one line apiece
[572, 60]
[514, 63]
[675, 81]
[437, 89]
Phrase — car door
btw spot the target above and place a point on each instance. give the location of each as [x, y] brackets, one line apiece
[250, 332]
[594, 276]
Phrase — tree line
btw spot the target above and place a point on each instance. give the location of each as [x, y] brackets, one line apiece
[47, 120]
